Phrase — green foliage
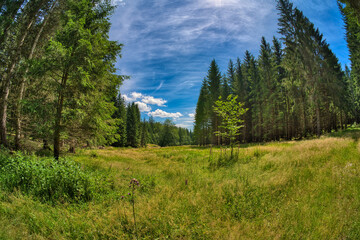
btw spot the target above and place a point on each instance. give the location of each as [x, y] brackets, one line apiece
[120, 116]
[288, 190]
[133, 125]
[169, 134]
[202, 127]
[230, 112]
[44, 153]
[47, 179]
[294, 89]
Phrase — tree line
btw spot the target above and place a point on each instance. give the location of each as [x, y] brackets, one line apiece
[58, 83]
[295, 88]
[133, 132]
[57, 72]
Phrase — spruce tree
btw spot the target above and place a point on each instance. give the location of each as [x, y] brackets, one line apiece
[133, 125]
[144, 134]
[120, 116]
[202, 128]
[214, 81]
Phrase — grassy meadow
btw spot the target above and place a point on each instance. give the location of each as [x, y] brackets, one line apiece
[281, 190]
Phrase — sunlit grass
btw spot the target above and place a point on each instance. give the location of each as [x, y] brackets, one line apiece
[279, 190]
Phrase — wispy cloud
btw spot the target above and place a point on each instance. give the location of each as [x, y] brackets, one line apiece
[159, 87]
[162, 114]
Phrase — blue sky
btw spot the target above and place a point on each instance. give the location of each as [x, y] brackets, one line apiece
[169, 44]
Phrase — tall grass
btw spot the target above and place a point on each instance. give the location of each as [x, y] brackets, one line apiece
[287, 190]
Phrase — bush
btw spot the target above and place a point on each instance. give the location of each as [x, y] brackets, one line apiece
[46, 178]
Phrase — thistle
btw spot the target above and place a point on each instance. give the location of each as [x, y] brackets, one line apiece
[133, 185]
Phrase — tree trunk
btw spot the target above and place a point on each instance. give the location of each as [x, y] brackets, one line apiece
[23, 80]
[3, 115]
[6, 86]
[318, 124]
[58, 116]
[341, 120]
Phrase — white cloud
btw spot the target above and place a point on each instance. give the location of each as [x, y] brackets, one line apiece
[143, 107]
[154, 101]
[143, 100]
[162, 114]
[192, 115]
[133, 97]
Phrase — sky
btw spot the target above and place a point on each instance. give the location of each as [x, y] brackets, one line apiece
[169, 44]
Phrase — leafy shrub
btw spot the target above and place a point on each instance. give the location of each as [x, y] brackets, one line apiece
[46, 178]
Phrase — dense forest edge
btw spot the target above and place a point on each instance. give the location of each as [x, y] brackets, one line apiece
[295, 89]
[58, 81]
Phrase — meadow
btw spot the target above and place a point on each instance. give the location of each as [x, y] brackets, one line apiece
[306, 189]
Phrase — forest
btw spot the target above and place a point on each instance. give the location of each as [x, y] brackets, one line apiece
[58, 80]
[296, 88]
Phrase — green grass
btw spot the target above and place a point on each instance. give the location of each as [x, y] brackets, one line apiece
[287, 190]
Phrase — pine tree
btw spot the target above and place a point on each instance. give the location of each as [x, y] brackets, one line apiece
[214, 82]
[144, 134]
[282, 96]
[202, 128]
[352, 27]
[120, 116]
[133, 125]
[82, 57]
[169, 134]
[267, 90]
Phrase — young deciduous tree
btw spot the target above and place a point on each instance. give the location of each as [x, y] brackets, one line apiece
[230, 111]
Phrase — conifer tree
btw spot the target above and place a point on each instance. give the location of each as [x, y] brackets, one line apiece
[82, 58]
[267, 90]
[202, 128]
[144, 134]
[133, 125]
[169, 135]
[352, 27]
[120, 116]
[214, 82]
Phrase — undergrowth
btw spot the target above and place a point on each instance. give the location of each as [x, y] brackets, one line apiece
[48, 179]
